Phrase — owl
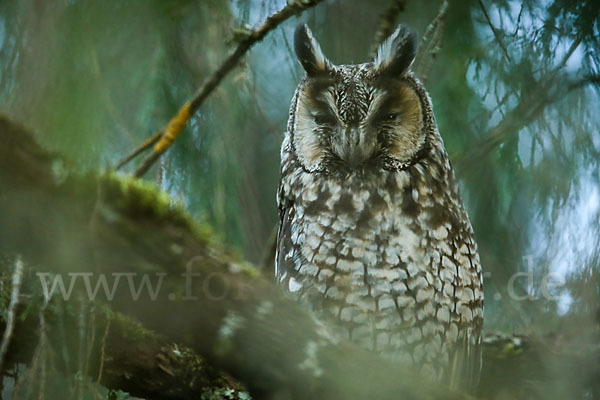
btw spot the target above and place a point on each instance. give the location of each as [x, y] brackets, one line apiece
[373, 236]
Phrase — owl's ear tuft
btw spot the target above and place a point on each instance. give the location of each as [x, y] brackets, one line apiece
[309, 52]
[397, 52]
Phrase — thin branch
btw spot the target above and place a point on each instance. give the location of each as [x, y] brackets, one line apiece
[146, 145]
[518, 23]
[163, 370]
[89, 342]
[12, 307]
[147, 163]
[249, 38]
[36, 374]
[102, 354]
[44, 350]
[494, 30]
[430, 43]
[522, 115]
[526, 111]
[80, 347]
[587, 80]
[570, 52]
[387, 23]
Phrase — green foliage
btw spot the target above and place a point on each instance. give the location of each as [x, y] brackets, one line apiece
[99, 77]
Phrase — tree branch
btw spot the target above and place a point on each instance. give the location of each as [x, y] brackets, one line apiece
[430, 44]
[161, 369]
[245, 42]
[14, 301]
[528, 109]
[387, 24]
[494, 31]
[229, 314]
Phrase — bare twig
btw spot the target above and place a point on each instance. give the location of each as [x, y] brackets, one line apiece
[90, 341]
[387, 23]
[518, 23]
[494, 30]
[177, 123]
[430, 43]
[146, 145]
[14, 301]
[569, 53]
[522, 115]
[36, 374]
[527, 110]
[81, 353]
[102, 354]
[587, 80]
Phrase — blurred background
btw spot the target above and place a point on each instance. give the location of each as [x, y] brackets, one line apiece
[514, 84]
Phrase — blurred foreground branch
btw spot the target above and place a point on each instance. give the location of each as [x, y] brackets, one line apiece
[204, 298]
[161, 370]
[17, 276]
[222, 314]
[162, 140]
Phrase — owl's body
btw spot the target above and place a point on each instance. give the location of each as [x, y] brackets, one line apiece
[373, 235]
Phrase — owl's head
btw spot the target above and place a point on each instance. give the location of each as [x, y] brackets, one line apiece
[358, 117]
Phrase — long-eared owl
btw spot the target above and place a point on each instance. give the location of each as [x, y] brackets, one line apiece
[373, 236]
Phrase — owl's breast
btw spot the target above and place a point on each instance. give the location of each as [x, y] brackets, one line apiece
[372, 256]
[350, 233]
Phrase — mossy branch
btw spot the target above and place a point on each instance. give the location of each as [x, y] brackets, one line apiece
[226, 312]
[125, 357]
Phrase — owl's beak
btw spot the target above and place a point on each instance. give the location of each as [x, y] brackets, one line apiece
[354, 148]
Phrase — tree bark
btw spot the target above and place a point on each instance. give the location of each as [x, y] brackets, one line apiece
[125, 355]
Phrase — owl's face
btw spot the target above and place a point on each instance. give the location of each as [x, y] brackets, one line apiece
[357, 117]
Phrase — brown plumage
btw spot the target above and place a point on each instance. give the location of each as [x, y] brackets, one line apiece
[373, 235]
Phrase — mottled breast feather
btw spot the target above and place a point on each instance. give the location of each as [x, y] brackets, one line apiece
[384, 251]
